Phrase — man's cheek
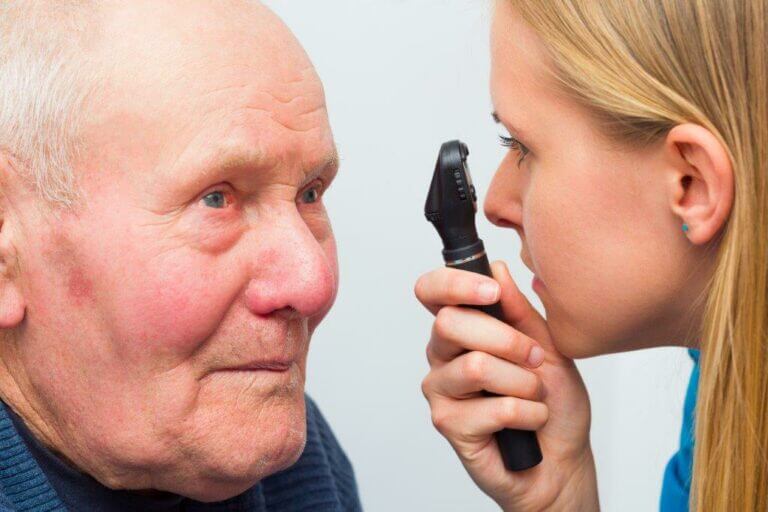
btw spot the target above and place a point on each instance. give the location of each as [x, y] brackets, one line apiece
[171, 312]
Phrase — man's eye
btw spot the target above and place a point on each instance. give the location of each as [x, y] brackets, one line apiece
[216, 199]
[312, 194]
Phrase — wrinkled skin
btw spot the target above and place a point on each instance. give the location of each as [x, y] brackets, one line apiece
[201, 245]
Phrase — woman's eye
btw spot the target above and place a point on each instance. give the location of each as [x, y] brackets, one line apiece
[312, 194]
[216, 199]
[515, 145]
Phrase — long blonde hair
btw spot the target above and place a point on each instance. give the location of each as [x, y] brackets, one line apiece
[642, 67]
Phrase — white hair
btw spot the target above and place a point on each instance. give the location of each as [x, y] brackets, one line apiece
[44, 81]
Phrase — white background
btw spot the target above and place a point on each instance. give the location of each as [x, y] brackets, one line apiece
[400, 78]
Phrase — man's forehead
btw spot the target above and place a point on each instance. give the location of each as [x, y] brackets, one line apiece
[151, 46]
[250, 163]
[221, 89]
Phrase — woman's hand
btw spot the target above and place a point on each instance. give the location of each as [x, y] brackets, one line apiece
[471, 352]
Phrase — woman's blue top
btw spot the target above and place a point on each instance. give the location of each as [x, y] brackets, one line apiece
[677, 475]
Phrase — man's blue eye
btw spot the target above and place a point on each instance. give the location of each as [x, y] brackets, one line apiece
[215, 199]
[311, 195]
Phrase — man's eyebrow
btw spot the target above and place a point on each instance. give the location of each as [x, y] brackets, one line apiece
[236, 157]
[329, 167]
[224, 159]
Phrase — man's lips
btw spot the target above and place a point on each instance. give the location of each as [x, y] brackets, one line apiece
[261, 366]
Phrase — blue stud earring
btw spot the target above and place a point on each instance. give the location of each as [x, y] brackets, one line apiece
[685, 228]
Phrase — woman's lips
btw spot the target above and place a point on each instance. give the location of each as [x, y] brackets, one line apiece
[537, 283]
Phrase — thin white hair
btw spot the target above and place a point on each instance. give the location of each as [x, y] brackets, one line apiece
[44, 82]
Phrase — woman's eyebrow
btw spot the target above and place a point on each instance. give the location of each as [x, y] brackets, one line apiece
[513, 130]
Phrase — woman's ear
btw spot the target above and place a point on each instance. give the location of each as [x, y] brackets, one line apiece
[702, 181]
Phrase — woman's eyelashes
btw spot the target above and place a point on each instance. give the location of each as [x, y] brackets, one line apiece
[514, 145]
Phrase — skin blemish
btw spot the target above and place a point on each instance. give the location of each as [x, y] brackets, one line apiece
[80, 287]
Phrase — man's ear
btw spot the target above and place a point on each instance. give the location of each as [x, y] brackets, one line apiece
[702, 181]
[12, 304]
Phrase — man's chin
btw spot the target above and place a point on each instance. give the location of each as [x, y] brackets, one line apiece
[238, 451]
[232, 483]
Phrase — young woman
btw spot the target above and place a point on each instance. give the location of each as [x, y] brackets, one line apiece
[637, 180]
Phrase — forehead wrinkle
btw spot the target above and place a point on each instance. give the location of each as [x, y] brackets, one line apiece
[226, 160]
[232, 159]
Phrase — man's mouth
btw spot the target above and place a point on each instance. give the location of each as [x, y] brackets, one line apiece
[261, 366]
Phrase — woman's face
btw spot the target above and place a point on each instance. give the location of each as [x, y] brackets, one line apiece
[612, 263]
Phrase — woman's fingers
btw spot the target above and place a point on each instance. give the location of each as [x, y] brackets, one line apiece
[457, 330]
[473, 372]
[474, 419]
[517, 309]
[452, 287]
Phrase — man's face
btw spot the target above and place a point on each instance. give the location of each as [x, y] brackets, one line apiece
[168, 319]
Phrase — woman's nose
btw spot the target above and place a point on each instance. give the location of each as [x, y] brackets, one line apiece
[292, 270]
[503, 202]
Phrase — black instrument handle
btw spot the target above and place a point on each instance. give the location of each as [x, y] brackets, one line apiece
[519, 448]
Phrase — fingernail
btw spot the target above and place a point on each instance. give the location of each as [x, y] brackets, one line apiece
[489, 291]
[536, 357]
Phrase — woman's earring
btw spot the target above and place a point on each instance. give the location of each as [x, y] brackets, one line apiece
[686, 228]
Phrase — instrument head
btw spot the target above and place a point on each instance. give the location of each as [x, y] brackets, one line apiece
[452, 201]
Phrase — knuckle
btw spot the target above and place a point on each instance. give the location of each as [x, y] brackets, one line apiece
[426, 386]
[444, 321]
[428, 353]
[474, 367]
[510, 409]
[440, 420]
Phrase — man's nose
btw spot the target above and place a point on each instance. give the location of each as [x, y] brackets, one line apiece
[291, 271]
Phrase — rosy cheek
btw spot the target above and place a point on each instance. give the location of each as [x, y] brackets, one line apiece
[173, 310]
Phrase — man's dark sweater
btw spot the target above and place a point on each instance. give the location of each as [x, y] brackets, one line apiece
[34, 479]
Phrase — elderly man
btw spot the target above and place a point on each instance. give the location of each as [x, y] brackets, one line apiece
[165, 258]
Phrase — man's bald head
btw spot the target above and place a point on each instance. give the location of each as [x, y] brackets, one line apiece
[57, 54]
